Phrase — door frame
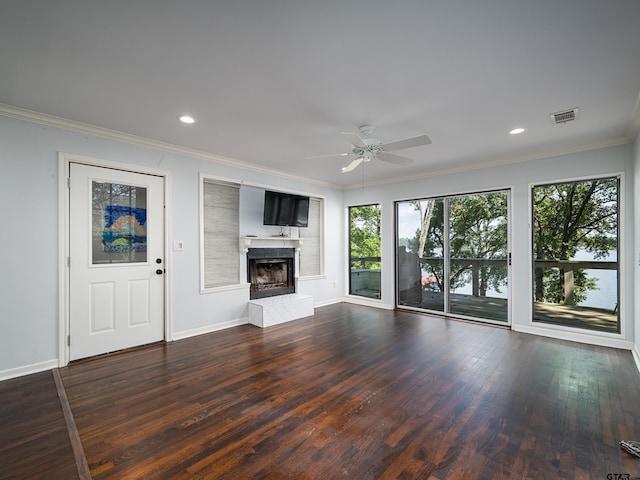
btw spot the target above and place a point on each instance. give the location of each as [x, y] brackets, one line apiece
[446, 197]
[64, 251]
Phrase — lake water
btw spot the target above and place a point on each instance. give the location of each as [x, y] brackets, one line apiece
[604, 296]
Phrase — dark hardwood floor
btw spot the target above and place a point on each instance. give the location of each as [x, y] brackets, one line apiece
[352, 392]
[34, 443]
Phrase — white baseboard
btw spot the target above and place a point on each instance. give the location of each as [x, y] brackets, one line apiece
[209, 328]
[325, 303]
[28, 369]
[367, 302]
[575, 337]
[636, 355]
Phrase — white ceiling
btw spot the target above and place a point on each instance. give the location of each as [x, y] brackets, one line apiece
[274, 81]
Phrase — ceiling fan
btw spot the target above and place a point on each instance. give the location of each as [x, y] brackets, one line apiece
[366, 149]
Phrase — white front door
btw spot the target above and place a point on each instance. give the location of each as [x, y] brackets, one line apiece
[116, 262]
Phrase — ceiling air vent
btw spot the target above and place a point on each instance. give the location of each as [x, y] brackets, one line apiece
[564, 116]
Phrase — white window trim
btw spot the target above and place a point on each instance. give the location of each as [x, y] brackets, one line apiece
[593, 337]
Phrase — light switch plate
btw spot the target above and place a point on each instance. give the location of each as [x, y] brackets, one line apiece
[178, 245]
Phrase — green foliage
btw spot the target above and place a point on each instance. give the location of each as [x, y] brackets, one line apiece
[568, 217]
[364, 236]
[477, 229]
[571, 216]
[435, 241]
[553, 283]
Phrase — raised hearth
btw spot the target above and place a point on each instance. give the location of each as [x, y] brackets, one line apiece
[265, 312]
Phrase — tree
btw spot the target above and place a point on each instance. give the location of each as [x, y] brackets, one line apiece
[426, 211]
[568, 217]
[428, 242]
[477, 230]
[364, 235]
[478, 225]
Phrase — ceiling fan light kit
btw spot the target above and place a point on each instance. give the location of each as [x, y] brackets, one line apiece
[366, 149]
[366, 130]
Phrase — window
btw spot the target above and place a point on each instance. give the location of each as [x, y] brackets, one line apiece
[311, 259]
[364, 251]
[452, 255]
[221, 232]
[575, 254]
[119, 223]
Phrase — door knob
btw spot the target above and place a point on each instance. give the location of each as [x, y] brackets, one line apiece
[159, 271]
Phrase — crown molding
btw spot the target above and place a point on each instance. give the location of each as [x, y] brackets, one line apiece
[634, 124]
[87, 129]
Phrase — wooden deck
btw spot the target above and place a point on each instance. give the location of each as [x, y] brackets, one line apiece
[576, 316]
[351, 392]
[496, 309]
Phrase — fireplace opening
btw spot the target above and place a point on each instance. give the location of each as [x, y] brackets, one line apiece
[270, 272]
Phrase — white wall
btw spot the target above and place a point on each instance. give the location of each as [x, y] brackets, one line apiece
[518, 178]
[29, 289]
[635, 260]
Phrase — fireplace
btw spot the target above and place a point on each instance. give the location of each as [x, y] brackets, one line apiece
[271, 272]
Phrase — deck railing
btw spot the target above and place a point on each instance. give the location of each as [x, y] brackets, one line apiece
[568, 267]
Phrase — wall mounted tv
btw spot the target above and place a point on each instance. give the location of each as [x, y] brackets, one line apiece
[285, 209]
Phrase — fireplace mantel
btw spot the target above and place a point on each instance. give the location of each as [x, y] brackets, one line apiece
[269, 242]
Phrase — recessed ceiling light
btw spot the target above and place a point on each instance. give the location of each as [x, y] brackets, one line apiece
[517, 131]
[188, 119]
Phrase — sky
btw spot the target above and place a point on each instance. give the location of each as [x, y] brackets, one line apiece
[408, 220]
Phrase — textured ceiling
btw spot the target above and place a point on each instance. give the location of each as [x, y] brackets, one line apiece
[272, 82]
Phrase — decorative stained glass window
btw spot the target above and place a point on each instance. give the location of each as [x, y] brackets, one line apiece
[119, 223]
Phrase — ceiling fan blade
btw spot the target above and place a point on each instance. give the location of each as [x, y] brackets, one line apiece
[311, 157]
[352, 165]
[395, 159]
[407, 143]
[355, 139]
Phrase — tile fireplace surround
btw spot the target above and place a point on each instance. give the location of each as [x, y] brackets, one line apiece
[273, 310]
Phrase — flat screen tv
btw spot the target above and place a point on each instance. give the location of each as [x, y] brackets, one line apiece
[285, 209]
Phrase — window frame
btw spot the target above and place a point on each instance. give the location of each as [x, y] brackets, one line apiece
[621, 330]
[348, 252]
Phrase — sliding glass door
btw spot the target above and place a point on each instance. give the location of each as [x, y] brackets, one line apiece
[452, 255]
[420, 262]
